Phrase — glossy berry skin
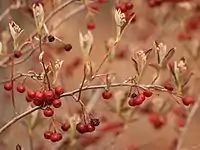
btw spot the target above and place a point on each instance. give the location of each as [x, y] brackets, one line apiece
[188, 100]
[169, 87]
[21, 88]
[37, 102]
[8, 86]
[56, 137]
[81, 128]
[91, 26]
[90, 128]
[136, 100]
[48, 112]
[31, 94]
[49, 95]
[102, 1]
[39, 96]
[107, 94]
[65, 127]
[123, 8]
[129, 5]
[57, 103]
[147, 93]
[47, 134]
[59, 90]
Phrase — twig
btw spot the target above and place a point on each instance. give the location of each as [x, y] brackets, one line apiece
[15, 119]
[185, 129]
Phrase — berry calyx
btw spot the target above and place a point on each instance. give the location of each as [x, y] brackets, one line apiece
[147, 93]
[91, 26]
[31, 94]
[107, 94]
[56, 137]
[188, 100]
[59, 90]
[169, 87]
[8, 86]
[51, 38]
[65, 127]
[81, 128]
[57, 103]
[17, 54]
[94, 122]
[48, 112]
[21, 88]
[47, 134]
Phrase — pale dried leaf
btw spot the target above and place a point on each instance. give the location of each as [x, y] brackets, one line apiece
[15, 30]
[136, 65]
[88, 70]
[41, 56]
[168, 56]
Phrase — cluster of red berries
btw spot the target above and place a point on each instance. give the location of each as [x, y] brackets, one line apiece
[157, 120]
[55, 136]
[87, 127]
[126, 8]
[139, 99]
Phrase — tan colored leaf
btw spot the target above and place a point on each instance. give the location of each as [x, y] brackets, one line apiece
[136, 65]
[15, 30]
[168, 56]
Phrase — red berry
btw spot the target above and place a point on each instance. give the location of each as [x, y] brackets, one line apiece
[132, 102]
[147, 93]
[37, 102]
[188, 100]
[21, 88]
[48, 112]
[90, 128]
[95, 7]
[8, 86]
[169, 87]
[17, 54]
[123, 8]
[28, 99]
[57, 103]
[129, 5]
[107, 94]
[81, 128]
[130, 15]
[102, 1]
[59, 90]
[90, 25]
[65, 127]
[155, 120]
[39, 96]
[31, 94]
[47, 134]
[56, 137]
[48, 95]
[181, 123]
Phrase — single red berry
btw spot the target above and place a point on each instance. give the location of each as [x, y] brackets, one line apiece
[81, 128]
[31, 94]
[37, 102]
[49, 95]
[91, 26]
[95, 7]
[132, 102]
[17, 54]
[59, 90]
[141, 97]
[47, 134]
[21, 88]
[181, 123]
[130, 16]
[8, 86]
[65, 127]
[147, 93]
[169, 87]
[155, 120]
[123, 8]
[129, 5]
[90, 128]
[48, 112]
[188, 100]
[57, 103]
[107, 94]
[56, 137]
[39, 96]
[28, 99]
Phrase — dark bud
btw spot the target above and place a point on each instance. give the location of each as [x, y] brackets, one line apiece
[17, 54]
[133, 95]
[18, 147]
[68, 47]
[94, 122]
[51, 38]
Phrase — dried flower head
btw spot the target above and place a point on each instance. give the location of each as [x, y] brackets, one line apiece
[38, 13]
[86, 43]
[15, 30]
[182, 65]
[120, 18]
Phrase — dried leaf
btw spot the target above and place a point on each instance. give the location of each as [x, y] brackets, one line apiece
[156, 67]
[136, 65]
[120, 20]
[15, 30]
[18, 147]
[148, 52]
[1, 48]
[88, 70]
[41, 56]
[168, 56]
[187, 79]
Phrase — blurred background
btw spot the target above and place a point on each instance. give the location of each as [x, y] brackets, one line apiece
[176, 23]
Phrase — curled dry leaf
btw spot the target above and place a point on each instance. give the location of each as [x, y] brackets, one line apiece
[120, 19]
[86, 43]
[88, 70]
[38, 12]
[15, 32]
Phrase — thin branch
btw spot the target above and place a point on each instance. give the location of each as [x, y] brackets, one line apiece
[17, 118]
[189, 120]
